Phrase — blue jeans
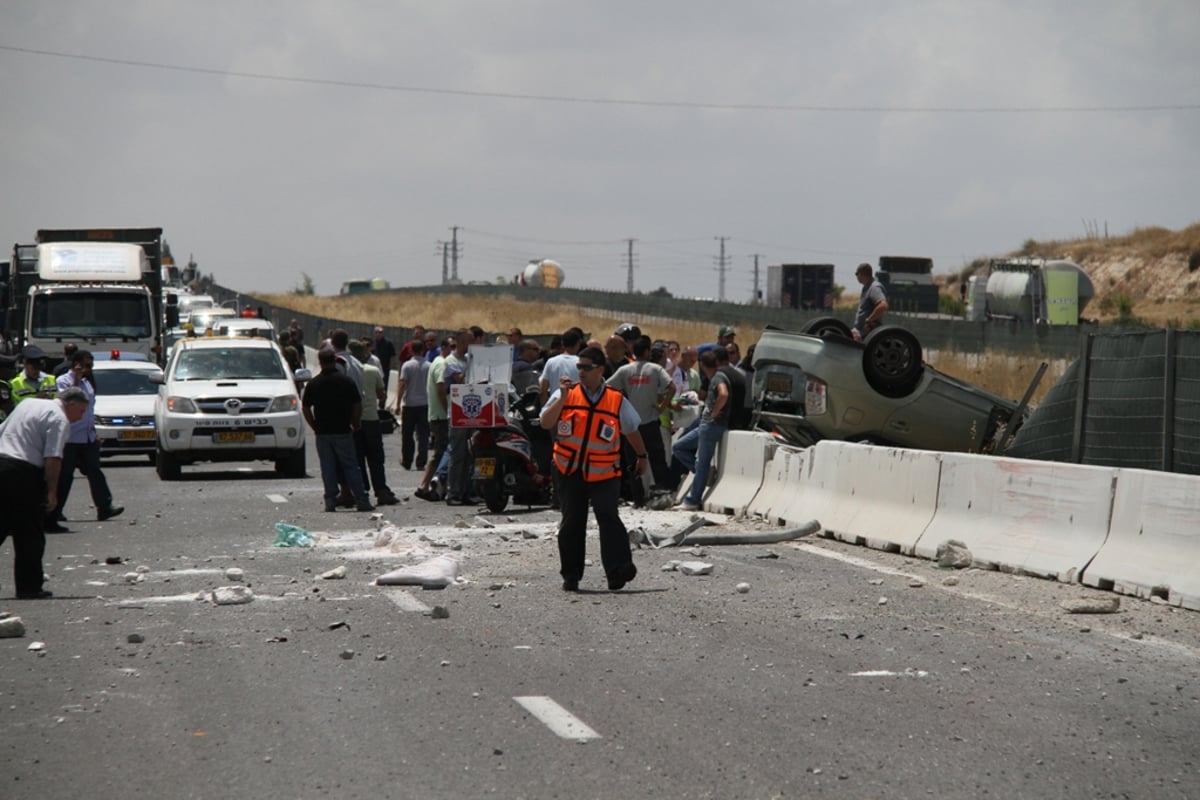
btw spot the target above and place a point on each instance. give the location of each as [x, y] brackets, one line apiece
[334, 450]
[694, 450]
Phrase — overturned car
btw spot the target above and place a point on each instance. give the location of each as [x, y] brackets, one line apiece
[821, 384]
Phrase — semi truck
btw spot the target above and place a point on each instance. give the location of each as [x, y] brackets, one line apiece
[805, 287]
[1032, 290]
[100, 288]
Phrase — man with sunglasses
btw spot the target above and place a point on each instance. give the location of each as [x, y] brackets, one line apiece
[588, 419]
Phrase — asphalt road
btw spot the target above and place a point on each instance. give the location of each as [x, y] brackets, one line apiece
[833, 676]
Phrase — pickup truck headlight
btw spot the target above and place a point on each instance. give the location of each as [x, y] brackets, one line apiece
[288, 402]
[814, 397]
[180, 405]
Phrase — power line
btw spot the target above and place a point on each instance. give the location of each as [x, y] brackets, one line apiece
[553, 98]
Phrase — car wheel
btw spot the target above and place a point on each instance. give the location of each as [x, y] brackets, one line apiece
[293, 466]
[167, 466]
[892, 361]
[826, 327]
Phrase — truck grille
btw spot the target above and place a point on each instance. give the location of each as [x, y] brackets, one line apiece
[233, 405]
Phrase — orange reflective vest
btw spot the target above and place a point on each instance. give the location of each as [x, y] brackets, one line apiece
[588, 435]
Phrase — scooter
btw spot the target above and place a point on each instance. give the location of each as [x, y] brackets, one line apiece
[514, 461]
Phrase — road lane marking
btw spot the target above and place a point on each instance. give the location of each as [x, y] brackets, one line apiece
[887, 673]
[560, 721]
[407, 602]
[277, 498]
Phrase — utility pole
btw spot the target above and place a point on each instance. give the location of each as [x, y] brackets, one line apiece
[454, 254]
[722, 264]
[755, 296]
[629, 272]
[445, 248]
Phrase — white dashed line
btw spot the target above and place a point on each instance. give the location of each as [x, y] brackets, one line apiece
[277, 498]
[562, 722]
[406, 602]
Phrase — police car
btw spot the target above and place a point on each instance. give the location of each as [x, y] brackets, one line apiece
[125, 403]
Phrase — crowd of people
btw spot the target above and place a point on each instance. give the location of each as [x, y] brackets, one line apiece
[618, 408]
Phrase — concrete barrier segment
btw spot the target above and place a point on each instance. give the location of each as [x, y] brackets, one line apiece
[741, 462]
[1032, 517]
[881, 497]
[1153, 545]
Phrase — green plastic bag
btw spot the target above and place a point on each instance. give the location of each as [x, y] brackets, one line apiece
[291, 536]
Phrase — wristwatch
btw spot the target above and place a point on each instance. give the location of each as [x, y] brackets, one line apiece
[642, 455]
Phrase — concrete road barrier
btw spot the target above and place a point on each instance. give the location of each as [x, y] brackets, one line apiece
[741, 461]
[1153, 545]
[881, 497]
[782, 477]
[1033, 517]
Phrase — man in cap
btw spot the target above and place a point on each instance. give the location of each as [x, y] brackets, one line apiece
[32, 382]
[872, 303]
[724, 336]
[32, 439]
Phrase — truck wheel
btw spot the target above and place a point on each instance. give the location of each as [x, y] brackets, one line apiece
[293, 466]
[826, 327]
[494, 496]
[892, 361]
[167, 466]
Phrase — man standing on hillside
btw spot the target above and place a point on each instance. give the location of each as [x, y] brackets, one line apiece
[872, 303]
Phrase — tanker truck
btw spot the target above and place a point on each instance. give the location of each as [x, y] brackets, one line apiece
[545, 273]
[1032, 290]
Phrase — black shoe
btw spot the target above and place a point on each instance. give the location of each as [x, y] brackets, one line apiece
[54, 527]
[454, 501]
[570, 585]
[387, 500]
[624, 576]
[40, 594]
[109, 513]
[425, 494]
[330, 508]
[364, 506]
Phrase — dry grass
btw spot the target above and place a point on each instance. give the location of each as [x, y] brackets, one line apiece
[451, 312]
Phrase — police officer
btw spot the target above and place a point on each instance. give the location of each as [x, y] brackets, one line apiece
[589, 418]
[32, 382]
[31, 447]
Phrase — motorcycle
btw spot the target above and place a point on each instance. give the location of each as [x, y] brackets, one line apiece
[514, 461]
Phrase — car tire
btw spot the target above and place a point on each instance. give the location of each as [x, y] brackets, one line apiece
[826, 328]
[892, 361]
[293, 466]
[167, 466]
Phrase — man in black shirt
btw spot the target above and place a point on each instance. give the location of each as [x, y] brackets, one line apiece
[739, 412]
[332, 408]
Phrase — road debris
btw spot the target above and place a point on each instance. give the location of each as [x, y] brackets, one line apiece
[953, 554]
[291, 536]
[742, 588]
[231, 595]
[335, 574]
[11, 628]
[434, 573]
[1091, 605]
[235, 574]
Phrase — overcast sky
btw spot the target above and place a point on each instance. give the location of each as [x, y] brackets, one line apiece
[804, 131]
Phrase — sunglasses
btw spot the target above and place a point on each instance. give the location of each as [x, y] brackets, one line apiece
[586, 367]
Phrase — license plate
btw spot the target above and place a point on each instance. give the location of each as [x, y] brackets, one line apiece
[778, 383]
[233, 436]
[485, 467]
[143, 435]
